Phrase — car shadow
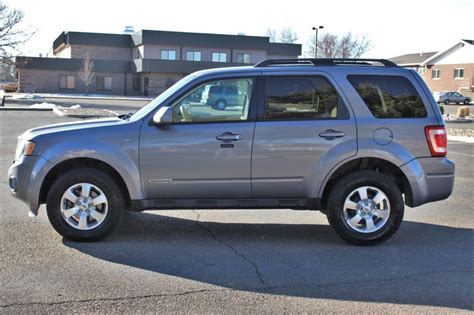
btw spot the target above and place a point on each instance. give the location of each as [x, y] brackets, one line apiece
[423, 264]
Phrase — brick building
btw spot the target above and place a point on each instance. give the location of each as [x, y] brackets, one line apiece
[143, 63]
[451, 69]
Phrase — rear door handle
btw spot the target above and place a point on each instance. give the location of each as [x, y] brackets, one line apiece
[228, 137]
[331, 134]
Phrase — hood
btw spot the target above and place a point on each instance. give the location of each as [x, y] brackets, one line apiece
[72, 126]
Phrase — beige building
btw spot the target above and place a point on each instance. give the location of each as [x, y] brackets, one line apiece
[451, 69]
[143, 63]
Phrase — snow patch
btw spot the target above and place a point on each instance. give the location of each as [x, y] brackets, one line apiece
[52, 106]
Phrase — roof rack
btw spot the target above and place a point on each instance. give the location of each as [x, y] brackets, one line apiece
[324, 62]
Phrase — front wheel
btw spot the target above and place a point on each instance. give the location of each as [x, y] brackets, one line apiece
[365, 207]
[85, 204]
[466, 102]
[446, 102]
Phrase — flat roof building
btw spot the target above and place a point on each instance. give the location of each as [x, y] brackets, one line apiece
[143, 63]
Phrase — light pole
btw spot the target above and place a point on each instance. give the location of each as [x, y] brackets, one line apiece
[316, 40]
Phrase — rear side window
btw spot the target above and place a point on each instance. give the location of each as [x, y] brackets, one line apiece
[305, 97]
[389, 96]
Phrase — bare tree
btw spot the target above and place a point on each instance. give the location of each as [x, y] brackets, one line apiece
[11, 34]
[86, 73]
[345, 46]
[287, 35]
[272, 33]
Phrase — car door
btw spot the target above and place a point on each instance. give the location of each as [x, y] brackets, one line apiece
[302, 128]
[204, 153]
[457, 98]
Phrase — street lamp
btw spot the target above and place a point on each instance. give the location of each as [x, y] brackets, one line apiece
[316, 40]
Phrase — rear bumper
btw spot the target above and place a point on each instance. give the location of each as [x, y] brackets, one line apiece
[25, 178]
[430, 179]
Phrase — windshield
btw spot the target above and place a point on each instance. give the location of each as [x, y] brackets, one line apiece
[142, 112]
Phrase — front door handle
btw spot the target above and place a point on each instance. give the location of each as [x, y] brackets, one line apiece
[331, 134]
[228, 137]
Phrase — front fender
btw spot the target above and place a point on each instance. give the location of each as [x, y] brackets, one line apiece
[123, 158]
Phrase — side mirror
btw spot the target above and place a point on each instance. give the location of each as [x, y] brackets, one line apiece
[163, 117]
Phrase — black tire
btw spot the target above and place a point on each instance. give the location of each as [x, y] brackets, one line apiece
[221, 104]
[347, 184]
[446, 102]
[106, 183]
[466, 102]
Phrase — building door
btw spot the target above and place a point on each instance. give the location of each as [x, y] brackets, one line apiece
[146, 83]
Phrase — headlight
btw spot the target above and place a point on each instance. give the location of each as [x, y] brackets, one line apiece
[24, 148]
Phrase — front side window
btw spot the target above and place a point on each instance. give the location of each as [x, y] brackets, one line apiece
[243, 58]
[66, 82]
[459, 73]
[216, 101]
[104, 83]
[435, 74]
[306, 97]
[389, 96]
[219, 57]
[168, 54]
[193, 56]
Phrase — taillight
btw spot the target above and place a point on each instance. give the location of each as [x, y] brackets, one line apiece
[437, 140]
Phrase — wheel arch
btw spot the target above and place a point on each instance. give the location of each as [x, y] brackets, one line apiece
[367, 163]
[79, 162]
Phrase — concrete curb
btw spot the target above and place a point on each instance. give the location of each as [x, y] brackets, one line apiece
[43, 96]
[26, 109]
[84, 113]
[461, 139]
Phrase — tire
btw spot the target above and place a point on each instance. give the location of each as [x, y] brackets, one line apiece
[221, 104]
[359, 233]
[446, 102]
[466, 102]
[101, 219]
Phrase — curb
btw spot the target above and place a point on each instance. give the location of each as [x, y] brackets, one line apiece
[77, 113]
[461, 139]
[25, 109]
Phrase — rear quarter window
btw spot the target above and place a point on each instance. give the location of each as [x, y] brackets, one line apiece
[389, 96]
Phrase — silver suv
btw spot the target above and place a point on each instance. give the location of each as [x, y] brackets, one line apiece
[355, 139]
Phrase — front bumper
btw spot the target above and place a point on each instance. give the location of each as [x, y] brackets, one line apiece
[430, 179]
[25, 178]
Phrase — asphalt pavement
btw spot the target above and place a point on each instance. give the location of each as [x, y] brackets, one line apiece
[251, 261]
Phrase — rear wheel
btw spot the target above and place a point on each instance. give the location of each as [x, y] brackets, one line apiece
[221, 104]
[85, 204]
[365, 207]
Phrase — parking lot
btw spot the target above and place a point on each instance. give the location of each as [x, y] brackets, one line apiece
[235, 261]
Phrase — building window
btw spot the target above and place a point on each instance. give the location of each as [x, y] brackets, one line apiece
[136, 84]
[421, 70]
[435, 74]
[104, 83]
[193, 56]
[66, 82]
[168, 54]
[219, 57]
[243, 58]
[459, 73]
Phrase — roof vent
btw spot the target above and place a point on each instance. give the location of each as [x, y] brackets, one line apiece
[128, 30]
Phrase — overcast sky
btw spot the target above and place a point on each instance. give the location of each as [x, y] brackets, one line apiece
[395, 27]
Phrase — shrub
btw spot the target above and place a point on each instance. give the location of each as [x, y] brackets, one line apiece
[463, 111]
